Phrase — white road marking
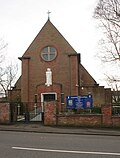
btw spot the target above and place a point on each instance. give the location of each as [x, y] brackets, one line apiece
[67, 151]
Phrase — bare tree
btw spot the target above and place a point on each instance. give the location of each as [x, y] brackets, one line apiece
[113, 82]
[8, 77]
[8, 72]
[3, 47]
[108, 14]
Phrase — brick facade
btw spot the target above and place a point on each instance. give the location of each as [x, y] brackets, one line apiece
[69, 77]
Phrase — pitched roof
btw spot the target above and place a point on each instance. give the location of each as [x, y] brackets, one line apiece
[49, 35]
[86, 78]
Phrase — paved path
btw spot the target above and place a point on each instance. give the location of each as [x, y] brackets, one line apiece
[39, 128]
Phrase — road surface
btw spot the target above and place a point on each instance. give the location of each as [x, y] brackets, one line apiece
[41, 145]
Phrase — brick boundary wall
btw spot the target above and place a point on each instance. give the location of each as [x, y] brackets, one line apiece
[4, 113]
[106, 115]
[51, 118]
[92, 120]
[80, 120]
[50, 113]
[116, 121]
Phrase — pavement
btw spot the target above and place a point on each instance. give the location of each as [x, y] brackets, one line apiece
[40, 128]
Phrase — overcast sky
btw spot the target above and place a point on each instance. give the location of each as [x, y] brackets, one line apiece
[21, 20]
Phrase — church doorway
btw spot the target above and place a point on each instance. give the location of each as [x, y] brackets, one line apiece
[46, 97]
[49, 97]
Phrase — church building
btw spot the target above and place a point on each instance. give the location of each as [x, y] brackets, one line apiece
[52, 70]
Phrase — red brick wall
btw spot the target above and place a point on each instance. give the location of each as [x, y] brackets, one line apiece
[60, 67]
[74, 75]
[25, 80]
[107, 115]
[50, 113]
[116, 121]
[4, 113]
[99, 120]
[66, 68]
[14, 95]
[80, 120]
[55, 88]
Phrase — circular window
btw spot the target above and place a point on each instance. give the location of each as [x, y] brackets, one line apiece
[49, 53]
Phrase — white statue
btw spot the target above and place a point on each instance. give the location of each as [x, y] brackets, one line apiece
[48, 77]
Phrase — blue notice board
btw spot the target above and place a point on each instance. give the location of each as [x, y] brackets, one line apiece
[78, 102]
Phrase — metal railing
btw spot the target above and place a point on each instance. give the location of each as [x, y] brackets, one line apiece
[26, 111]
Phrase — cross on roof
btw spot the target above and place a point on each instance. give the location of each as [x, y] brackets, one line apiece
[48, 14]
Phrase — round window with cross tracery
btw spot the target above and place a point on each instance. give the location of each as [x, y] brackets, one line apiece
[48, 53]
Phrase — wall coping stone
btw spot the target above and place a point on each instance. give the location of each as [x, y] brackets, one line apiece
[78, 115]
[117, 116]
